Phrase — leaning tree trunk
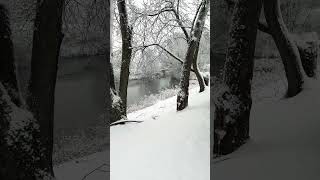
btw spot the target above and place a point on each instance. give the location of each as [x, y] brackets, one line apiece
[126, 33]
[233, 101]
[197, 72]
[308, 46]
[7, 63]
[20, 146]
[288, 50]
[183, 94]
[47, 40]
[117, 110]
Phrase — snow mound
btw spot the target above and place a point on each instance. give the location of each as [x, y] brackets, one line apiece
[284, 141]
[168, 145]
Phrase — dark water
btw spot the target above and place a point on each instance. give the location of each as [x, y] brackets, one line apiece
[80, 91]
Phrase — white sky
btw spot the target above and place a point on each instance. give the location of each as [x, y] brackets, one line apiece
[139, 3]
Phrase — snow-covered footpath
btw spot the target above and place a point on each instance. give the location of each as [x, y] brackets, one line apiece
[167, 145]
[284, 141]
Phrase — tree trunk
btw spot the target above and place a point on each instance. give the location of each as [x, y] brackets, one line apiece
[7, 63]
[126, 33]
[197, 72]
[233, 100]
[20, 146]
[308, 47]
[47, 40]
[117, 110]
[183, 94]
[288, 50]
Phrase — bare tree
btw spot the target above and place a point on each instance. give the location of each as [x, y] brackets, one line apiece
[126, 34]
[286, 46]
[163, 20]
[233, 101]
[47, 40]
[193, 47]
[21, 149]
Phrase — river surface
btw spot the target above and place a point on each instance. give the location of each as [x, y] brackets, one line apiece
[80, 88]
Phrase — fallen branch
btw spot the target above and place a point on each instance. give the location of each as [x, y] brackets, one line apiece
[124, 122]
[84, 177]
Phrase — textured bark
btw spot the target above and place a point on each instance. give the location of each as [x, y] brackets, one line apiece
[288, 50]
[308, 47]
[47, 40]
[126, 34]
[117, 110]
[20, 146]
[193, 45]
[197, 72]
[7, 61]
[233, 100]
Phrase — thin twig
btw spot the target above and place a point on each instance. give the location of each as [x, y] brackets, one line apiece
[93, 171]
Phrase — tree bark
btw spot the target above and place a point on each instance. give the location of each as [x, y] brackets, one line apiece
[233, 100]
[7, 62]
[183, 94]
[288, 50]
[308, 47]
[197, 72]
[47, 39]
[126, 33]
[20, 146]
[117, 110]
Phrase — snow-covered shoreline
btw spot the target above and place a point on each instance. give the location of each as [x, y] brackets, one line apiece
[174, 145]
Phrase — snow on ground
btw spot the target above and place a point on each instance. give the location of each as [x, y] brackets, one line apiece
[168, 145]
[284, 141]
[93, 167]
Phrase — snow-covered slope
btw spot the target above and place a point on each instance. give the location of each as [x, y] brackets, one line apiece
[168, 145]
[284, 141]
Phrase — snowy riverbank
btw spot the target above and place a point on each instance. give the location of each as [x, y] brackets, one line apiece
[167, 145]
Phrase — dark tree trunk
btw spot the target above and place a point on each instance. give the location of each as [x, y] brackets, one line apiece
[117, 110]
[288, 50]
[126, 33]
[233, 101]
[47, 40]
[197, 72]
[183, 94]
[308, 46]
[7, 63]
[20, 146]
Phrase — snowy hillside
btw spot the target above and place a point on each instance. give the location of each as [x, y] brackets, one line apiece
[284, 141]
[168, 145]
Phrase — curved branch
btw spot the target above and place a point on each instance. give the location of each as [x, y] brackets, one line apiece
[164, 49]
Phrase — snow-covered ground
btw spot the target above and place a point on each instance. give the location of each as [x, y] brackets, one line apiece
[167, 145]
[284, 141]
